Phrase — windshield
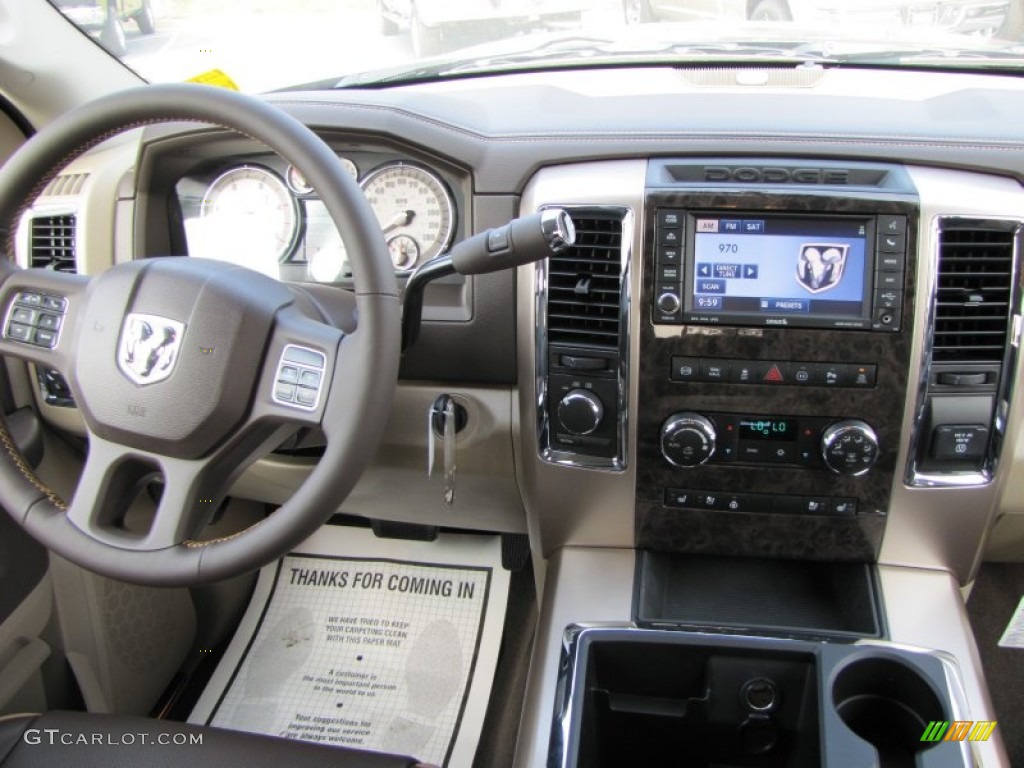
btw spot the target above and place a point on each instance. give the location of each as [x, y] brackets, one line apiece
[262, 45]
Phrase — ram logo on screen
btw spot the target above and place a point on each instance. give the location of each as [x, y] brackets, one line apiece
[820, 266]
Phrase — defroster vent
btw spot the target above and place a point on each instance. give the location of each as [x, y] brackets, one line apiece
[585, 284]
[52, 242]
[974, 288]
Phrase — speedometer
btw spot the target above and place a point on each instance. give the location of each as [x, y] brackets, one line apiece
[415, 212]
[255, 207]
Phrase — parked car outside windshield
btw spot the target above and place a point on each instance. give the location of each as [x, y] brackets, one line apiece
[270, 44]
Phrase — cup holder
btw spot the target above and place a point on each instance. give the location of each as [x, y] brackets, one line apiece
[888, 704]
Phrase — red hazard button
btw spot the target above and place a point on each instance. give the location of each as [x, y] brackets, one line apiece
[774, 375]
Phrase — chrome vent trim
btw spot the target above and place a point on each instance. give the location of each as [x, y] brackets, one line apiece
[1013, 230]
[618, 258]
[584, 301]
[52, 242]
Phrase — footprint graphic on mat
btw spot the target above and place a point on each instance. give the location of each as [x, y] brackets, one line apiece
[433, 676]
[280, 654]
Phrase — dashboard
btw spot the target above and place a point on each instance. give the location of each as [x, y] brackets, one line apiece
[789, 327]
[754, 289]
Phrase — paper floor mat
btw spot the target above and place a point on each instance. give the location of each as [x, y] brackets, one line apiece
[370, 643]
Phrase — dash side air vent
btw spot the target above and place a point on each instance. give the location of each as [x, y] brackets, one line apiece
[51, 243]
[66, 184]
[973, 294]
[585, 284]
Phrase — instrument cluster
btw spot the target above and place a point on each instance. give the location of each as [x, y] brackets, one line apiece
[266, 216]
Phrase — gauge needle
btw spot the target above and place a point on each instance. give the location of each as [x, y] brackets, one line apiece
[400, 219]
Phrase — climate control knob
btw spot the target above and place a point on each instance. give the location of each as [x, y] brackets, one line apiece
[849, 447]
[580, 412]
[687, 439]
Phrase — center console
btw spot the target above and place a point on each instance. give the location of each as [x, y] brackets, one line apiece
[773, 362]
[770, 398]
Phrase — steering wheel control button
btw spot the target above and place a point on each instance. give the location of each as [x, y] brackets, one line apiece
[44, 338]
[35, 318]
[300, 375]
[48, 321]
[19, 332]
[25, 316]
[29, 299]
[54, 303]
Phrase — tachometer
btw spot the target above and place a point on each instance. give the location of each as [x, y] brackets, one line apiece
[415, 212]
[254, 211]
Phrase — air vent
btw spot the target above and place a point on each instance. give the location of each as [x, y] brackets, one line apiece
[52, 243]
[585, 285]
[974, 287]
[66, 184]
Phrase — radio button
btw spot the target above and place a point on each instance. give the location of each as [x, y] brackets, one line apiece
[888, 299]
[890, 243]
[671, 236]
[888, 281]
[892, 225]
[669, 255]
[670, 273]
[891, 262]
[668, 305]
[668, 302]
[669, 217]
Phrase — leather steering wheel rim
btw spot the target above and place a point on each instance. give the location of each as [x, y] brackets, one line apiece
[360, 373]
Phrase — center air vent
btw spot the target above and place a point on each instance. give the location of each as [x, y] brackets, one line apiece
[585, 284]
[52, 243]
[974, 288]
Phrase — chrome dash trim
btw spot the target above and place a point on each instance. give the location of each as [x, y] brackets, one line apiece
[915, 477]
[546, 451]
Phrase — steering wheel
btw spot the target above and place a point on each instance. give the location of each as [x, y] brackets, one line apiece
[192, 368]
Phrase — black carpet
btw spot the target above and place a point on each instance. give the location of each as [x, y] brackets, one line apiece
[997, 591]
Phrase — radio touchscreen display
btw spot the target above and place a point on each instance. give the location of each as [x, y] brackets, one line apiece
[779, 270]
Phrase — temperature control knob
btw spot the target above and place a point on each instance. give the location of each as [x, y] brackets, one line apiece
[849, 447]
[580, 412]
[687, 439]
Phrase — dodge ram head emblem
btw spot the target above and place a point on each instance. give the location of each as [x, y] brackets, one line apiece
[149, 347]
[820, 266]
